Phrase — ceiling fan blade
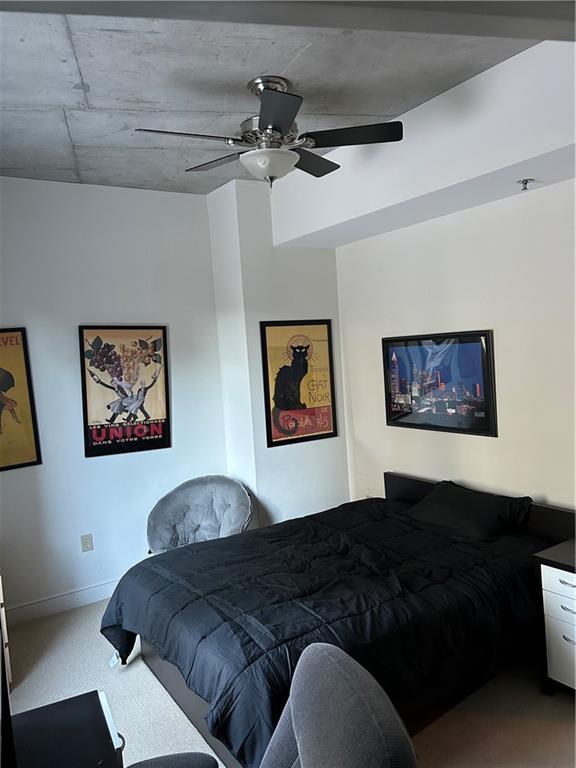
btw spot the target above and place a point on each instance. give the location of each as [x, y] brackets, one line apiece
[227, 139]
[215, 163]
[278, 110]
[358, 134]
[315, 165]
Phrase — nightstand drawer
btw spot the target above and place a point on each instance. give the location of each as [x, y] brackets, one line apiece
[561, 651]
[559, 607]
[561, 582]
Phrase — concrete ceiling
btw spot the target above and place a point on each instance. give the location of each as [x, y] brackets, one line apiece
[73, 88]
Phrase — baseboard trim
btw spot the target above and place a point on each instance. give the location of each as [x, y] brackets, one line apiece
[65, 601]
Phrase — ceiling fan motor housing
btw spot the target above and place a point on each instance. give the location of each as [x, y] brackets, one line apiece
[251, 134]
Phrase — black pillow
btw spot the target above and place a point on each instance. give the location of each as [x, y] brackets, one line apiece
[471, 513]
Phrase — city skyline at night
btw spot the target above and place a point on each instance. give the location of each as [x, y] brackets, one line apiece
[434, 382]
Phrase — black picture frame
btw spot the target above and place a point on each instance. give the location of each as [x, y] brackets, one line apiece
[30, 407]
[324, 378]
[158, 432]
[442, 381]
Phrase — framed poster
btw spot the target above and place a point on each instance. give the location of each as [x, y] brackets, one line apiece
[298, 381]
[19, 444]
[124, 388]
[443, 382]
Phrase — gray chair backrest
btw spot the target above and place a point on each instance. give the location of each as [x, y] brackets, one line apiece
[337, 716]
[204, 508]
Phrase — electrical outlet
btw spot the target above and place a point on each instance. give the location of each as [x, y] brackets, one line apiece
[86, 542]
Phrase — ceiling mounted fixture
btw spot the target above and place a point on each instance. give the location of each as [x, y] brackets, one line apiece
[524, 183]
[269, 142]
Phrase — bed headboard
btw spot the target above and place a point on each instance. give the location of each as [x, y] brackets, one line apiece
[551, 524]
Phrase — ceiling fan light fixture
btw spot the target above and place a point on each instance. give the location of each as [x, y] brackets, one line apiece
[269, 164]
[274, 145]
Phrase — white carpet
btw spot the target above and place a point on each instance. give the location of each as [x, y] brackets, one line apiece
[65, 654]
[506, 724]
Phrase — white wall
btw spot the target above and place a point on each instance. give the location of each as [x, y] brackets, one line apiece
[255, 281]
[507, 265]
[487, 129]
[289, 284]
[232, 336]
[86, 255]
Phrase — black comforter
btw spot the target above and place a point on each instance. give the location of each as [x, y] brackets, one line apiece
[424, 611]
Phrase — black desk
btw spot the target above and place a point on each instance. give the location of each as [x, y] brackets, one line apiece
[559, 556]
[73, 733]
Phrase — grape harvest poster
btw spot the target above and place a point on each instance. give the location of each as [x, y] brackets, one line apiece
[19, 444]
[124, 389]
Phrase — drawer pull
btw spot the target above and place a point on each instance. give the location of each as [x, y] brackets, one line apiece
[569, 640]
[566, 583]
[565, 608]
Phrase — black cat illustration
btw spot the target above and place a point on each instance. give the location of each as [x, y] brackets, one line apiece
[287, 388]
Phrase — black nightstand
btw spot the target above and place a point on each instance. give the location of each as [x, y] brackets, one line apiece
[558, 579]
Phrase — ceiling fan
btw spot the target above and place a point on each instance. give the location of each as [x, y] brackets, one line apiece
[269, 142]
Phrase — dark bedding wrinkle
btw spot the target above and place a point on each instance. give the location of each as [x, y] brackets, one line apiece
[423, 609]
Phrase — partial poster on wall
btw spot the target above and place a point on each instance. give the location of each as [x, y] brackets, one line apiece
[298, 381]
[124, 389]
[19, 444]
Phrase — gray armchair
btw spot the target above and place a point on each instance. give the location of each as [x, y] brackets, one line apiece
[337, 716]
[183, 760]
[204, 508]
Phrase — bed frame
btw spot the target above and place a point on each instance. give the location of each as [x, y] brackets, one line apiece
[193, 706]
[551, 524]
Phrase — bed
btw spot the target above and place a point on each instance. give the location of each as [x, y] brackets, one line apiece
[427, 611]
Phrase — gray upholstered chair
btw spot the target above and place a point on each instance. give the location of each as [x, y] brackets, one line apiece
[337, 716]
[183, 760]
[204, 508]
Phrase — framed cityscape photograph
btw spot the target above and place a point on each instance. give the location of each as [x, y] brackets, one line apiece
[298, 381]
[125, 393]
[443, 382]
[19, 443]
